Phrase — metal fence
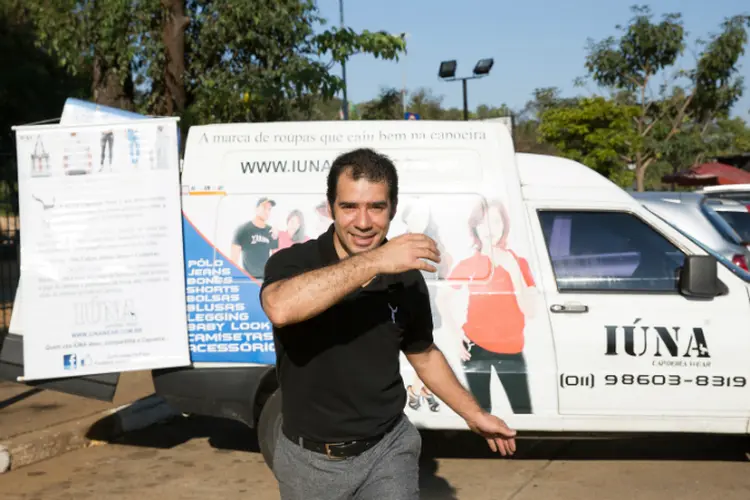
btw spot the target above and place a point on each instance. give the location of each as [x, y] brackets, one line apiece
[9, 251]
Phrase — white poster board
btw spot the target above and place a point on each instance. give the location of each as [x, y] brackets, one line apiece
[75, 112]
[101, 254]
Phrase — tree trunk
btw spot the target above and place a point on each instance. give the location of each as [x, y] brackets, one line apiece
[107, 88]
[173, 37]
[640, 176]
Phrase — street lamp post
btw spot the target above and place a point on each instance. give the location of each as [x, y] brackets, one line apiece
[447, 72]
[404, 36]
[343, 64]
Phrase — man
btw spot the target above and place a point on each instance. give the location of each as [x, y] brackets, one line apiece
[343, 306]
[255, 240]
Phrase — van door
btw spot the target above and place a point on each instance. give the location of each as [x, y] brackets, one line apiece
[627, 342]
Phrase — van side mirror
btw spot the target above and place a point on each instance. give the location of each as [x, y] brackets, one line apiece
[699, 277]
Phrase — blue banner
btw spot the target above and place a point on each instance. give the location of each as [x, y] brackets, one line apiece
[225, 320]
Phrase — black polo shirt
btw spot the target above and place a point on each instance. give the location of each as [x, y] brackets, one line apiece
[339, 371]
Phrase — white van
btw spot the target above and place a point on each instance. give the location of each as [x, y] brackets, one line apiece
[562, 303]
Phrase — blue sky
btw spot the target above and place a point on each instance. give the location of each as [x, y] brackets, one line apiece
[534, 43]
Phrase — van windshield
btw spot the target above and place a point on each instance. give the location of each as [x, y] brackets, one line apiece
[737, 270]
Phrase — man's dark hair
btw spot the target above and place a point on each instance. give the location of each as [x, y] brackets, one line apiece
[367, 163]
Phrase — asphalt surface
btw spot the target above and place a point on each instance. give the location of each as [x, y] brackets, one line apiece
[199, 458]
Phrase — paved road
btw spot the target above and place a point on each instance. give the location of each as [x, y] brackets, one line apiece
[202, 458]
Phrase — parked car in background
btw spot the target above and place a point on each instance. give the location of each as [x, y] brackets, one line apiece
[695, 214]
[736, 192]
[736, 214]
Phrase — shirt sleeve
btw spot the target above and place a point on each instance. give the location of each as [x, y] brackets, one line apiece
[239, 235]
[418, 332]
[523, 264]
[526, 271]
[284, 264]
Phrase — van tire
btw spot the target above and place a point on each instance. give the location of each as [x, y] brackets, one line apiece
[269, 427]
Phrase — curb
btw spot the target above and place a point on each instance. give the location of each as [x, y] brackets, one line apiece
[102, 427]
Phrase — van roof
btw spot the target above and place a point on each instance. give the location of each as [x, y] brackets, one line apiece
[546, 177]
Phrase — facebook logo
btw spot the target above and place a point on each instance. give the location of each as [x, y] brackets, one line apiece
[70, 361]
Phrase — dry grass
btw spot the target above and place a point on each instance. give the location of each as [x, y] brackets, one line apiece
[9, 274]
[5, 311]
[9, 224]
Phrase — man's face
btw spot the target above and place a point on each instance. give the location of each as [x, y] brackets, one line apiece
[263, 211]
[361, 215]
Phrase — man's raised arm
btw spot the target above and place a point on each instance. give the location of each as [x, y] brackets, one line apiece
[308, 294]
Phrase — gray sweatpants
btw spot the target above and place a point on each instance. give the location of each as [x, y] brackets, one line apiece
[389, 470]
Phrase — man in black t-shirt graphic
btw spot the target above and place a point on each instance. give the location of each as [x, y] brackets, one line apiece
[255, 240]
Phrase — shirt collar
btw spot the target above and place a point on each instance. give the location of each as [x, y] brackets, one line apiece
[327, 249]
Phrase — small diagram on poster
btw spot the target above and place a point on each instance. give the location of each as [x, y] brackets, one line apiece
[77, 156]
[39, 159]
[134, 147]
[107, 143]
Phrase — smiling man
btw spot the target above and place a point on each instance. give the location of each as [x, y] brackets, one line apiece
[343, 307]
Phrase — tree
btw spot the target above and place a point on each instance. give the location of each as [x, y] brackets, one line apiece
[264, 62]
[207, 60]
[93, 37]
[426, 104]
[387, 106]
[33, 87]
[598, 133]
[646, 49]
[161, 41]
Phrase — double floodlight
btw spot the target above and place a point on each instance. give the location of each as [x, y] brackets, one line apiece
[482, 68]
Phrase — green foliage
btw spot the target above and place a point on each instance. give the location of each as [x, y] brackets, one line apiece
[245, 60]
[95, 37]
[627, 66]
[717, 85]
[264, 62]
[387, 106]
[597, 132]
[33, 87]
[644, 49]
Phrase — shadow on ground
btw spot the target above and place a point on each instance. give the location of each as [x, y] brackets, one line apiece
[674, 447]
[18, 398]
[228, 435]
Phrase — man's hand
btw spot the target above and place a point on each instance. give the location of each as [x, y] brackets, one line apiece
[437, 375]
[405, 252]
[498, 435]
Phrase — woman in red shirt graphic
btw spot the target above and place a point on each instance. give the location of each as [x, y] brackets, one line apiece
[295, 230]
[493, 330]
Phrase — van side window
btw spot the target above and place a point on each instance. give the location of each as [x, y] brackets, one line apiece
[609, 251]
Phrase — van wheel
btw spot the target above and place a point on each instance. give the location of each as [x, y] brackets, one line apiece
[269, 426]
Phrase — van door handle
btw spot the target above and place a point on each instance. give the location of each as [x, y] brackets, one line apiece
[569, 307]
